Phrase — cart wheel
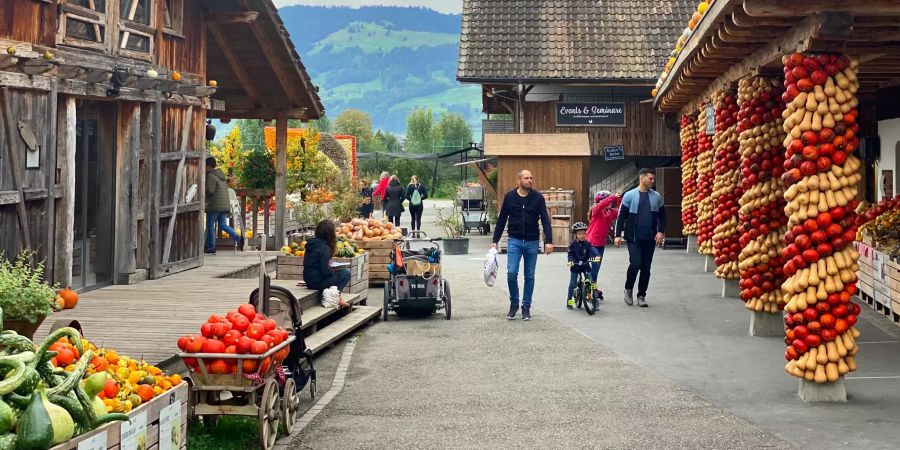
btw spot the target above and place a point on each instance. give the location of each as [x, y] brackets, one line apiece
[312, 389]
[290, 405]
[387, 299]
[447, 298]
[268, 416]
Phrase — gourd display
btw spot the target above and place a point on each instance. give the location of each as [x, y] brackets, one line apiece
[726, 187]
[705, 168]
[689, 175]
[822, 179]
[762, 215]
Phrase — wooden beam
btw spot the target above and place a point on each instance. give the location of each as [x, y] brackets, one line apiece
[795, 39]
[779, 8]
[65, 214]
[281, 126]
[49, 168]
[237, 66]
[179, 174]
[14, 168]
[230, 17]
[154, 198]
[127, 148]
[268, 48]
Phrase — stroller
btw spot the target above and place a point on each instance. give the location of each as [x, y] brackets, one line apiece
[415, 277]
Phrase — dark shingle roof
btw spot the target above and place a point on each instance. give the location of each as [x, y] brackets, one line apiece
[568, 39]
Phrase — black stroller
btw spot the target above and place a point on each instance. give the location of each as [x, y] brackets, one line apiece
[415, 277]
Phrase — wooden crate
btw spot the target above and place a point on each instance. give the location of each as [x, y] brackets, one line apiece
[562, 237]
[380, 257]
[291, 268]
[145, 420]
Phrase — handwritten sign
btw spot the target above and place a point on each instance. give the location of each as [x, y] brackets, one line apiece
[134, 433]
[614, 152]
[95, 442]
[608, 114]
[170, 427]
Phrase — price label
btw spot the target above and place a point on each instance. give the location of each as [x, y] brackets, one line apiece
[134, 433]
[170, 427]
[95, 442]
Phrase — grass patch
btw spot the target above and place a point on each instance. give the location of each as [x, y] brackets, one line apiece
[469, 95]
[379, 38]
[231, 433]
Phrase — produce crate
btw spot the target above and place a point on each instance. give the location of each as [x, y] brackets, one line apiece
[291, 268]
[379, 258]
[562, 237]
[560, 203]
[160, 423]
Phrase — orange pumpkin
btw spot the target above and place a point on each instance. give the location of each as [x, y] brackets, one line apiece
[176, 76]
[70, 298]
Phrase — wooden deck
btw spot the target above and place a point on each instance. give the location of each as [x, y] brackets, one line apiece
[147, 318]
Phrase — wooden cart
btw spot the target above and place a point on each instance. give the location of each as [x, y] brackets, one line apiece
[257, 394]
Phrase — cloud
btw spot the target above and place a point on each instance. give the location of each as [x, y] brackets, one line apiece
[444, 6]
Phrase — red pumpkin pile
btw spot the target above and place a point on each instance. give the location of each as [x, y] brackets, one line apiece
[726, 187]
[689, 174]
[823, 179]
[876, 210]
[761, 205]
[240, 332]
[705, 176]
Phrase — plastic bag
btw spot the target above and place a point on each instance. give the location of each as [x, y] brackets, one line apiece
[331, 297]
[490, 268]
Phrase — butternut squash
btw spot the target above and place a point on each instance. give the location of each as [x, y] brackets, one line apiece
[830, 286]
[810, 296]
[811, 103]
[813, 276]
[832, 351]
[831, 372]
[855, 332]
[811, 361]
[820, 376]
[816, 122]
[821, 293]
[821, 355]
[809, 375]
[828, 120]
[805, 124]
[843, 368]
[851, 363]
[840, 96]
[842, 81]
[833, 106]
[830, 91]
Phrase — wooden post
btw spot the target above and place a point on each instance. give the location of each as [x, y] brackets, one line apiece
[128, 142]
[153, 199]
[179, 175]
[280, 178]
[65, 214]
[49, 168]
[14, 168]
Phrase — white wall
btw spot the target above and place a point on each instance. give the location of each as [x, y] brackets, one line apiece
[889, 132]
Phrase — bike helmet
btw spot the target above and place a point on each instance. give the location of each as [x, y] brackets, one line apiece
[601, 195]
[579, 226]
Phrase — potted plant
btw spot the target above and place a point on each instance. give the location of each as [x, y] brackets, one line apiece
[25, 298]
[454, 242]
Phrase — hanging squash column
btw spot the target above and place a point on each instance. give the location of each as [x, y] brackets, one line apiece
[763, 222]
[726, 190]
[705, 176]
[689, 175]
[823, 180]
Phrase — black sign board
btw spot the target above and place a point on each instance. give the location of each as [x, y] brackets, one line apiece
[614, 152]
[607, 114]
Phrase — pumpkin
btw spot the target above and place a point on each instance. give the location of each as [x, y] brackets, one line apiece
[176, 76]
[70, 298]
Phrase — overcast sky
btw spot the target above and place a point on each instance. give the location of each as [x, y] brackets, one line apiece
[444, 6]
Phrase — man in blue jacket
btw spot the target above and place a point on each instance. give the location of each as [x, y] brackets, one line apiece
[642, 223]
[523, 208]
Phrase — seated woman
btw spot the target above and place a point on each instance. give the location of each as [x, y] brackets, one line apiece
[317, 271]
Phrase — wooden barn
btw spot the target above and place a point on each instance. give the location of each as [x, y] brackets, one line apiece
[104, 116]
[553, 68]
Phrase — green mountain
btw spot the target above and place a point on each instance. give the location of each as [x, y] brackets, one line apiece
[385, 61]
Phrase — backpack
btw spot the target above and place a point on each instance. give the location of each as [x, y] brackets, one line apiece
[416, 198]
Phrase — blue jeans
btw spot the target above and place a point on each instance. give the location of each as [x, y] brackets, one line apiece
[573, 279]
[213, 219]
[519, 249]
[595, 267]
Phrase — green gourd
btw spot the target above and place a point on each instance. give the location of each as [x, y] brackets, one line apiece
[8, 441]
[6, 417]
[35, 431]
[61, 422]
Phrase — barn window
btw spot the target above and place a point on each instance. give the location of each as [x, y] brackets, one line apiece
[136, 28]
[83, 24]
[173, 16]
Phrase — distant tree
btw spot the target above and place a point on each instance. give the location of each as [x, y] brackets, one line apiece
[355, 123]
[454, 131]
[421, 133]
[387, 141]
[251, 132]
[322, 125]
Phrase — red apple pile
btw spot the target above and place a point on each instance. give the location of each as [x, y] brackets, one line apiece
[726, 187]
[876, 210]
[762, 204]
[823, 179]
[705, 177]
[689, 174]
[240, 332]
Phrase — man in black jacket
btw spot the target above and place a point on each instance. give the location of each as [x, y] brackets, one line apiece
[522, 209]
[642, 223]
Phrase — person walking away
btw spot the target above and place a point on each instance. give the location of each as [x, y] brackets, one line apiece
[380, 190]
[603, 217]
[416, 193]
[642, 224]
[523, 210]
[393, 201]
[320, 250]
[366, 192]
[581, 255]
[217, 206]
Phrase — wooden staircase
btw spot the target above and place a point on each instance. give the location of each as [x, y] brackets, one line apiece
[323, 326]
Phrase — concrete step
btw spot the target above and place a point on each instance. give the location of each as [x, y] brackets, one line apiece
[359, 316]
[314, 313]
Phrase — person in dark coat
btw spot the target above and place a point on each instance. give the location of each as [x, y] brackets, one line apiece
[218, 204]
[394, 197]
[642, 225]
[366, 192]
[416, 203]
[317, 271]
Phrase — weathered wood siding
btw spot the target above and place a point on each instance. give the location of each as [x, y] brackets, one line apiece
[571, 173]
[185, 53]
[28, 21]
[645, 133]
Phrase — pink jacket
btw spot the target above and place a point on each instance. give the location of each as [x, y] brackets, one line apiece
[602, 219]
[382, 188]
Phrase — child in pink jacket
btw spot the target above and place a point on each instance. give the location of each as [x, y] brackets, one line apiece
[602, 218]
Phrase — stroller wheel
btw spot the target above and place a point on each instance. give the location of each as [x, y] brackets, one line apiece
[312, 389]
[387, 300]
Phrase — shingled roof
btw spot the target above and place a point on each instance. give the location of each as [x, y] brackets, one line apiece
[557, 40]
